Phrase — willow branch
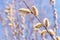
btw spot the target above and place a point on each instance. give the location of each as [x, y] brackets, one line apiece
[39, 21]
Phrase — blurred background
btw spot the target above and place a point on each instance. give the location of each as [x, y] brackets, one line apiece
[45, 11]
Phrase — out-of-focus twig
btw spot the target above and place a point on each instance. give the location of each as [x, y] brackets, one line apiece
[53, 2]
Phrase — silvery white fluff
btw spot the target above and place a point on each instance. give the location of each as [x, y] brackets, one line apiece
[24, 11]
[52, 2]
[46, 22]
[34, 10]
[38, 25]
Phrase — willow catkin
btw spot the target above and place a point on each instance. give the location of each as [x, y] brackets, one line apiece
[52, 2]
[36, 30]
[24, 10]
[57, 37]
[34, 10]
[7, 9]
[43, 32]
[51, 32]
[38, 25]
[11, 19]
[46, 22]
[10, 24]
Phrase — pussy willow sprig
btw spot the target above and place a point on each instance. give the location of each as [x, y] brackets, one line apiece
[53, 2]
[40, 21]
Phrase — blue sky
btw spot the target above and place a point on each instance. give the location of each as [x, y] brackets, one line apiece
[46, 8]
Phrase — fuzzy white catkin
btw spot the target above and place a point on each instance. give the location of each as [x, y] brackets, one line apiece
[10, 24]
[34, 10]
[46, 22]
[51, 32]
[38, 25]
[43, 32]
[7, 10]
[52, 2]
[24, 10]
[57, 37]
[37, 30]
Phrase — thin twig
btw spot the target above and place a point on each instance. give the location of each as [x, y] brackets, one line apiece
[54, 15]
[39, 21]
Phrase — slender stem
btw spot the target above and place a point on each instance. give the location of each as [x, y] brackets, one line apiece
[32, 12]
[49, 33]
[39, 21]
[23, 26]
